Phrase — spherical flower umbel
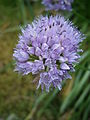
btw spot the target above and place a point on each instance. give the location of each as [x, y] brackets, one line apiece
[48, 48]
[58, 4]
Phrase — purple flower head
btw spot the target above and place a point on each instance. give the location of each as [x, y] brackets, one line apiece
[48, 47]
[58, 4]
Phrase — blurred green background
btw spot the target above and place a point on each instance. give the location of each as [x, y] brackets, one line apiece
[19, 99]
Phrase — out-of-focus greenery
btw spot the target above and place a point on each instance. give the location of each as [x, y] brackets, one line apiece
[19, 99]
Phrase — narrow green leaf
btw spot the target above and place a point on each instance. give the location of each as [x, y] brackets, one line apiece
[78, 76]
[83, 95]
[30, 8]
[75, 91]
[85, 54]
[23, 12]
[86, 114]
[38, 101]
[47, 102]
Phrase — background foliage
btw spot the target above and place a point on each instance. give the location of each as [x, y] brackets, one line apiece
[19, 99]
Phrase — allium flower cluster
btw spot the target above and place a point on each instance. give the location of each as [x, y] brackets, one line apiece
[48, 47]
[58, 4]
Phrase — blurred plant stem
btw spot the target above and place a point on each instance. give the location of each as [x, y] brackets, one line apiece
[30, 8]
[22, 10]
[38, 101]
[9, 30]
[80, 16]
[83, 107]
[82, 97]
[47, 102]
[75, 91]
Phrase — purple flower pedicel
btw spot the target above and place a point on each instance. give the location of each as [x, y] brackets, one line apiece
[48, 47]
[58, 4]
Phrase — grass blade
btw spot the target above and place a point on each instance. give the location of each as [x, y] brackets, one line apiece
[22, 9]
[30, 9]
[75, 91]
[38, 101]
[47, 102]
[83, 95]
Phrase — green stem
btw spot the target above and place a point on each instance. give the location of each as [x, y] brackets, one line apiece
[38, 101]
[23, 13]
[80, 100]
[47, 102]
[75, 91]
[30, 9]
